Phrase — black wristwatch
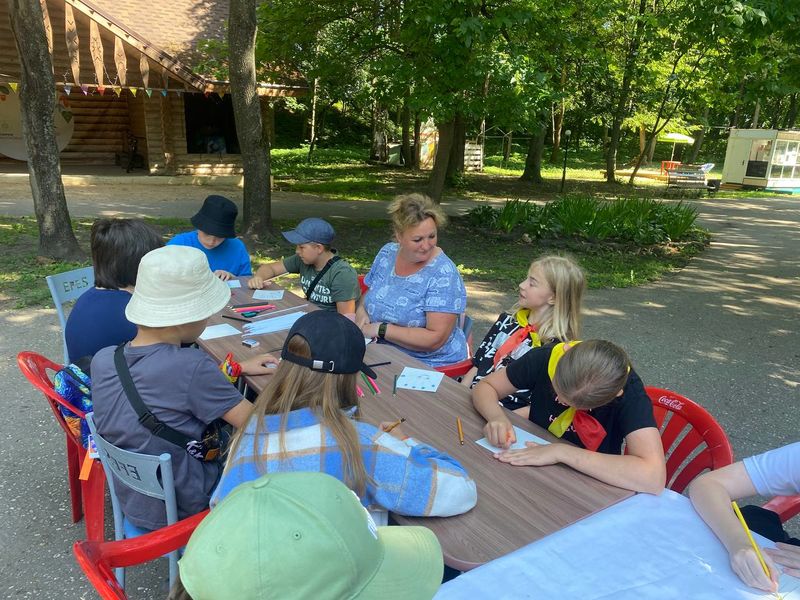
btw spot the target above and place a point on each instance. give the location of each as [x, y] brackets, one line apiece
[382, 331]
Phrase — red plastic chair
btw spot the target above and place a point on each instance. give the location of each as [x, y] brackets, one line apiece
[88, 497]
[786, 506]
[99, 559]
[689, 428]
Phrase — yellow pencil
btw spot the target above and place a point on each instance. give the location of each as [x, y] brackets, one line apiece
[460, 431]
[395, 424]
[752, 541]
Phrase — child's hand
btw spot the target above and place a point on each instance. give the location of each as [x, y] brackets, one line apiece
[535, 455]
[500, 433]
[786, 555]
[256, 283]
[224, 275]
[263, 364]
[746, 565]
[396, 431]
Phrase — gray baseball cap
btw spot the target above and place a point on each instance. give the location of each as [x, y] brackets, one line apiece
[313, 230]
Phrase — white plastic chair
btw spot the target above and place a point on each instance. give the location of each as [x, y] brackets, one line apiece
[147, 474]
[68, 287]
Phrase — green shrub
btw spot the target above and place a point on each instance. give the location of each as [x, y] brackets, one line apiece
[678, 220]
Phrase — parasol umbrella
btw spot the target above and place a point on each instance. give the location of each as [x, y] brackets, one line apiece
[675, 138]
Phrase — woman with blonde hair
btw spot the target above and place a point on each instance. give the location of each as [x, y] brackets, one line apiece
[306, 419]
[416, 296]
[547, 311]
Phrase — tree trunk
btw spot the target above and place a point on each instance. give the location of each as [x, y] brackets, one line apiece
[255, 150]
[651, 149]
[624, 94]
[507, 141]
[417, 148]
[791, 116]
[699, 137]
[36, 91]
[440, 164]
[756, 114]
[455, 166]
[405, 120]
[642, 138]
[312, 137]
[533, 162]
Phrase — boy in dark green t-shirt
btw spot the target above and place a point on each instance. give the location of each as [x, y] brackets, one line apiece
[327, 280]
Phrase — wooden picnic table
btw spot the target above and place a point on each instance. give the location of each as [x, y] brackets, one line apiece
[516, 505]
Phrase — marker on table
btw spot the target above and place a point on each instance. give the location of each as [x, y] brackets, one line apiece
[236, 319]
[753, 542]
[460, 431]
[394, 386]
[395, 424]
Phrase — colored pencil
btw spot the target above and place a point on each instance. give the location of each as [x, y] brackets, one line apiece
[360, 392]
[752, 542]
[366, 381]
[374, 385]
[394, 386]
[460, 431]
[381, 364]
[236, 319]
[395, 424]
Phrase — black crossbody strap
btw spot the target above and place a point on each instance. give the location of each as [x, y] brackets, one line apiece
[146, 418]
[314, 283]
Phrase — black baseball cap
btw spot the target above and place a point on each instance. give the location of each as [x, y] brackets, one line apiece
[337, 344]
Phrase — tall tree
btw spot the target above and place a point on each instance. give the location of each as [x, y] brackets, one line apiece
[253, 139]
[36, 90]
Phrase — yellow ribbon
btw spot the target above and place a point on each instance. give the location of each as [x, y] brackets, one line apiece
[522, 320]
[562, 422]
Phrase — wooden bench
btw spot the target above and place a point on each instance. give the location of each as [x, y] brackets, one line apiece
[689, 176]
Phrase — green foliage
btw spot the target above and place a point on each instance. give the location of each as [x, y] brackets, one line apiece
[642, 222]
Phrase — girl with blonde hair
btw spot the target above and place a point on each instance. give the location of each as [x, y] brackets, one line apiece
[548, 310]
[306, 419]
[585, 393]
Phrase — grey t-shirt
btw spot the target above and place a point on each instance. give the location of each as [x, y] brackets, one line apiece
[338, 284]
[186, 390]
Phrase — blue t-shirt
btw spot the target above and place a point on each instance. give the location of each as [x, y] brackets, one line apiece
[437, 287]
[98, 320]
[231, 255]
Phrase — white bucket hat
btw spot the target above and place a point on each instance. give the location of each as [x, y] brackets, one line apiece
[174, 286]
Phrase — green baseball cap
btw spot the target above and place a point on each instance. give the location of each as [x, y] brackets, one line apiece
[306, 535]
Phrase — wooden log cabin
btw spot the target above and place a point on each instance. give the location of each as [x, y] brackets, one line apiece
[125, 67]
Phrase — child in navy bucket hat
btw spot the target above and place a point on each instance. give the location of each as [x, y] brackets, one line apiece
[327, 280]
[216, 237]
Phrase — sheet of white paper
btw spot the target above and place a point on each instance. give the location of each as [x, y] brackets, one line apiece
[367, 341]
[274, 324]
[522, 437]
[234, 283]
[419, 380]
[268, 295]
[218, 331]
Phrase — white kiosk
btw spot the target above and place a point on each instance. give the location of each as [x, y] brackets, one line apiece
[764, 158]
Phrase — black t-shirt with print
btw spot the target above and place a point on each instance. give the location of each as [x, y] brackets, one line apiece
[623, 415]
[504, 327]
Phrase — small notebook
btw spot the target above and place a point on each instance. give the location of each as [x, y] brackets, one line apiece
[522, 437]
[218, 331]
[234, 283]
[268, 295]
[419, 380]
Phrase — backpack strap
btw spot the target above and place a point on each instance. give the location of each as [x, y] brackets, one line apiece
[146, 418]
[328, 265]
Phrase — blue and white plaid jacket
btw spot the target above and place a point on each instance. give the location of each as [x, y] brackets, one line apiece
[404, 477]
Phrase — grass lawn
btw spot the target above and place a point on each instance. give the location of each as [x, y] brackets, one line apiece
[498, 261]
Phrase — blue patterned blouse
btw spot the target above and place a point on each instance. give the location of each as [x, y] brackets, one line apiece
[437, 287]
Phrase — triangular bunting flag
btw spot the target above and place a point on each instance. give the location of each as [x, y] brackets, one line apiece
[67, 89]
[179, 92]
[221, 93]
[164, 93]
[101, 89]
[13, 87]
[133, 91]
[84, 89]
[117, 90]
[149, 92]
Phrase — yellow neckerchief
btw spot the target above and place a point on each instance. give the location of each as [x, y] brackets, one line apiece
[522, 320]
[562, 422]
